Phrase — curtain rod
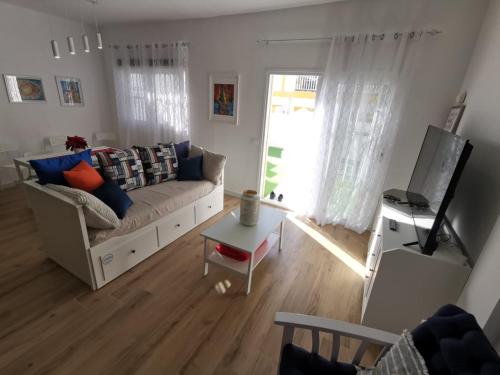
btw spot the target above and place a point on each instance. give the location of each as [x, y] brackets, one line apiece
[156, 45]
[432, 32]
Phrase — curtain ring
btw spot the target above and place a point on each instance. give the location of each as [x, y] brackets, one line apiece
[373, 37]
[412, 34]
[382, 37]
[396, 36]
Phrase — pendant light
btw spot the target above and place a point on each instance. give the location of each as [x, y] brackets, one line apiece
[71, 45]
[53, 43]
[69, 38]
[55, 49]
[85, 38]
[98, 34]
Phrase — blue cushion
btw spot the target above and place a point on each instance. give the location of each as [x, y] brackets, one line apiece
[452, 343]
[116, 198]
[50, 171]
[182, 149]
[190, 169]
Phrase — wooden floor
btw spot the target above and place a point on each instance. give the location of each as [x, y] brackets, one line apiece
[162, 317]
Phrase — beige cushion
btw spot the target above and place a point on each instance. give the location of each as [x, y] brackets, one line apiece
[195, 151]
[153, 202]
[97, 213]
[213, 164]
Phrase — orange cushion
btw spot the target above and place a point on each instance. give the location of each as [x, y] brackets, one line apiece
[83, 177]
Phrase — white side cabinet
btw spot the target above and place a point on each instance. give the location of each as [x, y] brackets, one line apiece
[402, 285]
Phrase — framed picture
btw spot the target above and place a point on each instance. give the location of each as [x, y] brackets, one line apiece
[70, 91]
[454, 118]
[24, 89]
[223, 98]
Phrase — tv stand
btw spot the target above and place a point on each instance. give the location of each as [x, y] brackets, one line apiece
[403, 285]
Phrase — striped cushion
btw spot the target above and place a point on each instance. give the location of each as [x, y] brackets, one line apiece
[97, 213]
[159, 162]
[124, 168]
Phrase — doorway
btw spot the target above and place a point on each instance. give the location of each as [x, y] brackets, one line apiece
[290, 106]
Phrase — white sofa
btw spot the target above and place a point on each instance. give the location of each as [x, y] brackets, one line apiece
[160, 214]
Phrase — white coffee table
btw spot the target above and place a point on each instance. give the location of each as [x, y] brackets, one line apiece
[230, 232]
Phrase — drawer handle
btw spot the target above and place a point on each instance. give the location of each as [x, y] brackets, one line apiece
[177, 225]
[372, 269]
[133, 251]
[209, 206]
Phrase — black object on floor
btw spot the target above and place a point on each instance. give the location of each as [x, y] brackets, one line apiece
[280, 198]
[272, 195]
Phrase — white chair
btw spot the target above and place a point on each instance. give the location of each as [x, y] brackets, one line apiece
[105, 139]
[8, 173]
[337, 329]
[57, 143]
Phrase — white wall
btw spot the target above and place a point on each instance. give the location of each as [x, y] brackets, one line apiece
[476, 208]
[229, 44]
[25, 49]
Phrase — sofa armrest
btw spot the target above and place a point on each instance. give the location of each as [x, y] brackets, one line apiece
[62, 226]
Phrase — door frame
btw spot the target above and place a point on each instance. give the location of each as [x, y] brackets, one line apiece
[265, 118]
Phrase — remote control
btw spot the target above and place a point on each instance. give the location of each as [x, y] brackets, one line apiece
[393, 225]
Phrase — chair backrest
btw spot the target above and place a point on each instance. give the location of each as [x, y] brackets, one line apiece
[105, 136]
[109, 138]
[5, 147]
[57, 142]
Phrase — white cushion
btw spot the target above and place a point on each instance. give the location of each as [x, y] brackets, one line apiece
[97, 213]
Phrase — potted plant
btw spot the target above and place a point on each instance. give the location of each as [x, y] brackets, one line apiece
[76, 144]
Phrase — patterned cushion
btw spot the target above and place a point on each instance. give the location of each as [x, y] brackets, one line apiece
[97, 213]
[159, 162]
[124, 168]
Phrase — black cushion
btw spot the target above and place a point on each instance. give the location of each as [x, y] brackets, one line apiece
[297, 361]
[190, 169]
[452, 343]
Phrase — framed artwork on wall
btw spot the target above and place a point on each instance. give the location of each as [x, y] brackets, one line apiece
[454, 118]
[223, 98]
[70, 91]
[24, 88]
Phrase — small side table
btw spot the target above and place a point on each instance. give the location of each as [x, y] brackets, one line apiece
[230, 232]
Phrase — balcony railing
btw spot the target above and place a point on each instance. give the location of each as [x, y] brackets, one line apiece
[306, 83]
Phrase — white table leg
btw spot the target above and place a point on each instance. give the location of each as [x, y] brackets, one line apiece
[249, 274]
[282, 232]
[205, 263]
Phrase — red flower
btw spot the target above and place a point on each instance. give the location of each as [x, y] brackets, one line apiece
[76, 142]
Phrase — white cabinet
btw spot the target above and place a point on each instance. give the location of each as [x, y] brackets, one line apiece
[402, 285]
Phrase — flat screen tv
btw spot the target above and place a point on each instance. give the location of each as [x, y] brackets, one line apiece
[440, 163]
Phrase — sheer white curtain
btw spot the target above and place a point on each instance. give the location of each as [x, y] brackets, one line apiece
[152, 92]
[357, 114]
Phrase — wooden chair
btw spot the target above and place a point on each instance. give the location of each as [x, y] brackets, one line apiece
[337, 329]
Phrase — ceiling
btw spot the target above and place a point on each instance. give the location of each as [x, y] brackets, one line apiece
[109, 11]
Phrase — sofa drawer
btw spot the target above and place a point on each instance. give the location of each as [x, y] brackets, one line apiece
[112, 263]
[175, 225]
[209, 205]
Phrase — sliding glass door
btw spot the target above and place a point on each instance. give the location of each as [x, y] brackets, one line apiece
[290, 107]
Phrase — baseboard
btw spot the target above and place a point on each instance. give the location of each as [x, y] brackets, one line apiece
[232, 193]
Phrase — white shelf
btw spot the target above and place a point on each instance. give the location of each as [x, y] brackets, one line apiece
[242, 267]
